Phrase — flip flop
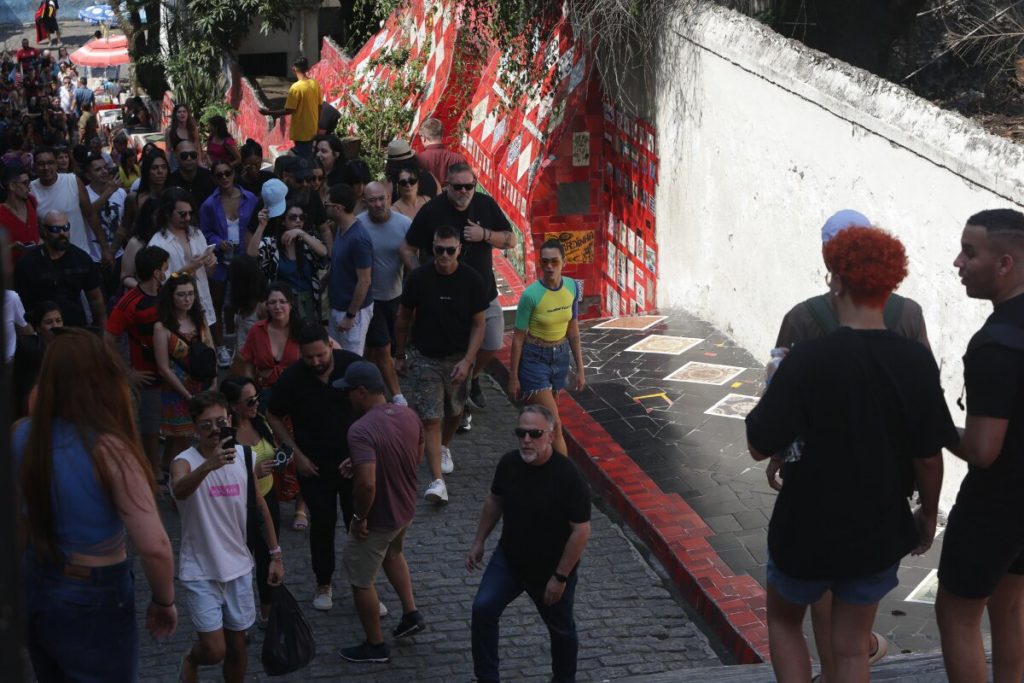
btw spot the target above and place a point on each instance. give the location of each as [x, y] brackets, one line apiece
[300, 522]
[881, 648]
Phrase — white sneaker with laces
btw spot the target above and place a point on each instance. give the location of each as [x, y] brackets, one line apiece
[437, 492]
[447, 464]
[324, 600]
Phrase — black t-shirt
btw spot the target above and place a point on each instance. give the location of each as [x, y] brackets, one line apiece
[439, 211]
[538, 503]
[200, 187]
[37, 278]
[994, 380]
[321, 414]
[256, 187]
[329, 117]
[862, 402]
[445, 306]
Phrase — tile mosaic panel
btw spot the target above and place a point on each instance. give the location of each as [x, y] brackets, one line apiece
[733, 405]
[637, 322]
[705, 373]
[660, 343]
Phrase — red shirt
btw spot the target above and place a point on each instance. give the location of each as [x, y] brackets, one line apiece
[258, 353]
[134, 314]
[22, 234]
[26, 53]
[436, 159]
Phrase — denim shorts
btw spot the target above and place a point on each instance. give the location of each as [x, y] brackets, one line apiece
[221, 604]
[860, 590]
[542, 367]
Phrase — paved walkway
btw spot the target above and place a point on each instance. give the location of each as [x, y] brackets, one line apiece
[671, 391]
[629, 623]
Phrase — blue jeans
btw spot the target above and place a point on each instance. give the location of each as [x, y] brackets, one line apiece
[499, 587]
[82, 629]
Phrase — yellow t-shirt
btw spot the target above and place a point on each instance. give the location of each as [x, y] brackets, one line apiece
[304, 97]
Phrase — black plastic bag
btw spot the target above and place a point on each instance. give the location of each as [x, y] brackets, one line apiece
[288, 644]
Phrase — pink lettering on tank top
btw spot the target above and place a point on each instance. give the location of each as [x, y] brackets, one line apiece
[225, 491]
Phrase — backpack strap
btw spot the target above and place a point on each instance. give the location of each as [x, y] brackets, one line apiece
[250, 499]
[822, 313]
[893, 311]
[1000, 334]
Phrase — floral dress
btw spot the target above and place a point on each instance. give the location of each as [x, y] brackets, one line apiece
[175, 420]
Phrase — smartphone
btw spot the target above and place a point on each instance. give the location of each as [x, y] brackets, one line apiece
[228, 433]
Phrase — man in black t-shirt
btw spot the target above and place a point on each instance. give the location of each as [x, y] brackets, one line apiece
[545, 505]
[191, 177]
[868, 414]
[320, 416]
[482, 227]
[58, 271]
[442, 314]
[982, 560]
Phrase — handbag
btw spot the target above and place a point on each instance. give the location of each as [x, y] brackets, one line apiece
[288, 644]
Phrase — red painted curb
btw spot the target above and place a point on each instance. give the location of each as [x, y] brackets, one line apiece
[733, 606]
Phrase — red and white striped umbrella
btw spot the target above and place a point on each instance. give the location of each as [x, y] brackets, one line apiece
[103, 52]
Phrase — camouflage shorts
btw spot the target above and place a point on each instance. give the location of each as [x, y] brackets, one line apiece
[432, 394]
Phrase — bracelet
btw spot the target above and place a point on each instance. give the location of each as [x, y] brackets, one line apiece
[275, 551]
[160, 604]
[487, 235]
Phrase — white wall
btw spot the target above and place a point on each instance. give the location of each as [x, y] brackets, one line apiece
[761, 139]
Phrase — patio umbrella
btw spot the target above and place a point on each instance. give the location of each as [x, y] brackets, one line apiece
[96, 14]
[103, 52]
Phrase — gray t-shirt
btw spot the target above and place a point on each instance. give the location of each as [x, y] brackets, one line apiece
[387, 237]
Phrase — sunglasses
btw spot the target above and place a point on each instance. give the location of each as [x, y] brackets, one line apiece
[532, 433]
[183, 214]
[208, 426]
[223, 174]
[407, 182]
[54, 229]
[188, 155]
[462, 186]
[252, 401]
[438, 250]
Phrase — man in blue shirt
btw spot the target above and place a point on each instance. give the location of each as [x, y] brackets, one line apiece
[83, 95]
[351, 267]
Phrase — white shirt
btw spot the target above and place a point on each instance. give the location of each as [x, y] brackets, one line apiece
[213, 523]
[63, 196]
[14, 316]
[179, 259]
[110, 215]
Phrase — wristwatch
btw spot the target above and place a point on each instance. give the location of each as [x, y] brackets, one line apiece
[561, 578]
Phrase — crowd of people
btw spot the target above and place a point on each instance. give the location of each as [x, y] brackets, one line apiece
[243, 333]
[854, 420]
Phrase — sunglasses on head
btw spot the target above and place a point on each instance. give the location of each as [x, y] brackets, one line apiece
[223, 174]
[54, 229]
[462, 186]
[407, 182]
[188, 155]
[532, 433]
[438, 250]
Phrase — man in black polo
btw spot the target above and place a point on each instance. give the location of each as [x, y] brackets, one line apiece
[321, 416]
[482, 227]
[190, 176]
[58, 271]
[442, 309]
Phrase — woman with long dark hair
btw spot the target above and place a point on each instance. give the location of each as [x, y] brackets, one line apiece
[406, 181]
[253, 430]
[178, 337]
[84, 484]
[182, 127]
[331, 153]
[289, 252]
[139, 209]
[220, 146]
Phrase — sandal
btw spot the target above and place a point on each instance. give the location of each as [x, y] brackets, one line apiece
[300, 522]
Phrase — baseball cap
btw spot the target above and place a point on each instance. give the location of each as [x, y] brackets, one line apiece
[274, 194]
[399, 150]
[839, 221]
[361, 374]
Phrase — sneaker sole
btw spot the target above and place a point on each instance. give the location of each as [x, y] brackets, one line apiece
[435, 498]
[412, 630]
[371, 660]
[447, 470]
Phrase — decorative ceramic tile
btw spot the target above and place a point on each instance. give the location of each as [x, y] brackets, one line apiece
[705, 373]
[735, 406]
[926, 590]
[659, 343]
[639, 322]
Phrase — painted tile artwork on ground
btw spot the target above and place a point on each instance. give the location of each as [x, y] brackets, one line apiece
[661, 343]
[705, 373]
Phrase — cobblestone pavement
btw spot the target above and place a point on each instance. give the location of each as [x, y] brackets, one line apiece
[629, 623]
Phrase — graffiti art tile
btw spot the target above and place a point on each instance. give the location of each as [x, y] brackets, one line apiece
[705, 373]
[736, 406]
[660, 343]
[640, 322]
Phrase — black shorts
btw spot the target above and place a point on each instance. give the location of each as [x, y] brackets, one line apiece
[381, 332]
[979, 547]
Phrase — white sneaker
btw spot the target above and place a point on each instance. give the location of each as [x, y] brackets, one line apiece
[447, 464]
[437, 492]
[223, 357]
[383, 609]
[323, 600]
[399, 400]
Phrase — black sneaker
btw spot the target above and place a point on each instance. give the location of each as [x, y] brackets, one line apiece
[476, 394]
[367, 654]
[411, 624]
[467, 422]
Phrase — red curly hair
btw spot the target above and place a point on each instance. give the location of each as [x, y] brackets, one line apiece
[870, 262]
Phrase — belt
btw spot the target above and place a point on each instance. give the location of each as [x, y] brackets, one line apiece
[544, 344]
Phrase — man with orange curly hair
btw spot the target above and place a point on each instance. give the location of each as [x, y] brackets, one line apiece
[867, 405]
[982, 562]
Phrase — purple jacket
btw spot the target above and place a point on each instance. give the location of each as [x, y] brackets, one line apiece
[214, 224]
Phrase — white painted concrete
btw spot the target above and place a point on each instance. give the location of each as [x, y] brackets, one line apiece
[761, 139]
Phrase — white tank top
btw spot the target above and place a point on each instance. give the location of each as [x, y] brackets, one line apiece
[213, 546]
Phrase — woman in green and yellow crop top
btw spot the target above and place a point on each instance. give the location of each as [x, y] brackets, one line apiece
[547, 329]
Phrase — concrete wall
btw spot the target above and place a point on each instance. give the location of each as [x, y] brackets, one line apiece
[761, 139]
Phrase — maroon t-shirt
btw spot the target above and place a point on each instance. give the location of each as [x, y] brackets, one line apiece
[391, 437]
